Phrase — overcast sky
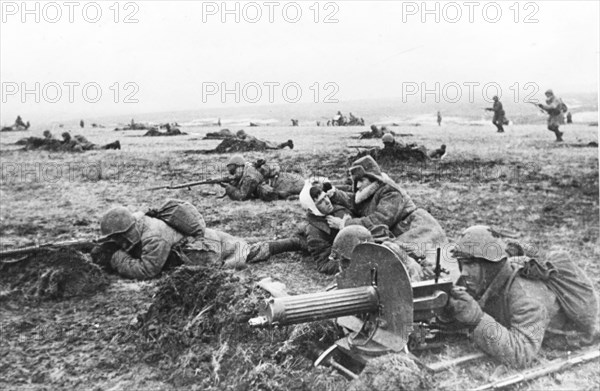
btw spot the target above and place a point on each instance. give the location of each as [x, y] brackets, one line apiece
[370, 50]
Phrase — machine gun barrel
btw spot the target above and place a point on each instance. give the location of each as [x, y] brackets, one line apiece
[312, 307]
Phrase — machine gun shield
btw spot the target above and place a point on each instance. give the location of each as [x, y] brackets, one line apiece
[376, 265]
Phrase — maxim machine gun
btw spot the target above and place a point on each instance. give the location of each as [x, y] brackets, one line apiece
[375, 300]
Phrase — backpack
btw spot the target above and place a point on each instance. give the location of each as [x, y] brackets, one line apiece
[573, 289]
[562, 107]
[181, 216]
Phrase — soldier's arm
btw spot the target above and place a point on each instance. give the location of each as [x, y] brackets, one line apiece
[553, 105]
[387, 213]
[519, 343]
[343, 198]
[319, 247]
[155, 252]
[246, 188]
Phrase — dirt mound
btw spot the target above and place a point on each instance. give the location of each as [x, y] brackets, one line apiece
[394, 372]
[196, 331]
[51, 274]
[197, 301]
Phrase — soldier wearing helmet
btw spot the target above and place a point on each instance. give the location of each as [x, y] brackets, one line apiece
[246, 179]
[510, 314]
[555, 108]
[259, 181]
[147, 244]
[378, 201]
[353, 235]
[499, 114]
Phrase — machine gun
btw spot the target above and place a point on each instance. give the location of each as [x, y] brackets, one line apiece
[84, 244]
[189, 185]
[374, 299]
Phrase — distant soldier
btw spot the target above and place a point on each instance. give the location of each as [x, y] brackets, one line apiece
[19, 123]
[219, 122]
[555, 108]
[244, 142]
[439, 118]
[220, 135]
[80, 143]
[439, 153]
[498, 118]
[569, 118]
[81, 124]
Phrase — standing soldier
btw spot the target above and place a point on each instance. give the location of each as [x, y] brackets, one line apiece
[439, 118]
[498, 110]
[555, 108]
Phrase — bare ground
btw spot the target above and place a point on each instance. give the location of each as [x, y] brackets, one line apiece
[521, 180]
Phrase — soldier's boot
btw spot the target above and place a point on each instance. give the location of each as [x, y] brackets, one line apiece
[558, 134]
[288, 143]
[113, 145]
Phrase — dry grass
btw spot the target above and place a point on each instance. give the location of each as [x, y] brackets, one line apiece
[521, 180]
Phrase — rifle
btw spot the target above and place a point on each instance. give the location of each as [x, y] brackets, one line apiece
[70, 244]
[189, 185]
[536, 105]
[362, 146]
[544, 369]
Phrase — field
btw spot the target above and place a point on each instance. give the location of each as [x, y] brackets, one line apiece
[521, 180]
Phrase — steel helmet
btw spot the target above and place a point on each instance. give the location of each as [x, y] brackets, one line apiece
[348, 238]
[116, 221]
[387, 138]
[236, 160]
[480, 241]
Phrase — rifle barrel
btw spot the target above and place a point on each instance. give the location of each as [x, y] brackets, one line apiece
[190, 184]
[544, 369]
[40, 247]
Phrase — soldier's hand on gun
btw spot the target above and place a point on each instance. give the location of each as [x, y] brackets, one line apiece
[464, 307]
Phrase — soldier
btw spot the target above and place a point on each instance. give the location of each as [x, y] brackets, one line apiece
[555, 108]
[81, 124]
[315, 237]
[80, 143]
[378, 200]
[498, 119]
[220, 135]
[283, 185]
[246, 180]
[439, 153]
[439, 118]
[243, 142]
[350, 237]
[147, 245]
[512, 304]
[19, 123]
[265, 182]
[569, 118]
